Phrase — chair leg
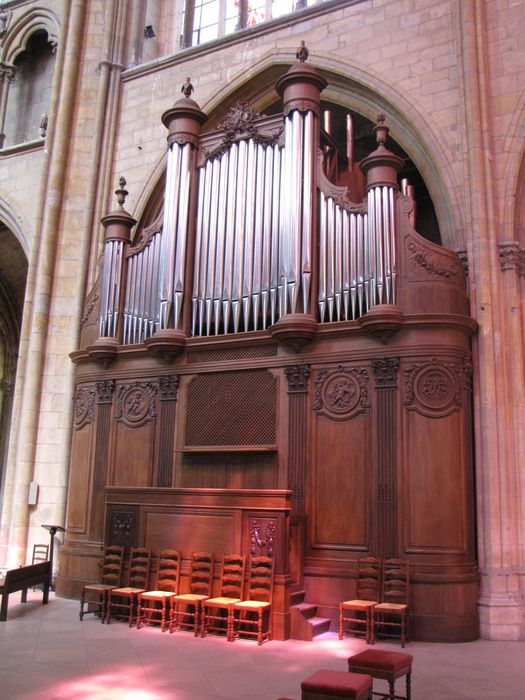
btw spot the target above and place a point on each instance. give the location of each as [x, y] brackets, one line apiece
[340, 621]
[391, 685]
[408, 679]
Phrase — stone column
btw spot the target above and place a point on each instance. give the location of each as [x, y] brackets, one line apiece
[7, 74]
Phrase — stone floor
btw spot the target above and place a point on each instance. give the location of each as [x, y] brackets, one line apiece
[46, 653]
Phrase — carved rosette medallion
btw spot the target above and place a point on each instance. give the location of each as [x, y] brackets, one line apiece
[341, 393]
[297, 377]
[434, 388]
[262, 537]
[168, 387]
[83, 407]
[105, 390]
[385, 371]
[136, 403]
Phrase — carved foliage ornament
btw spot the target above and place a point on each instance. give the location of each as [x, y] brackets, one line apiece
[241, 123]
[512, 257]
[385, 371]
[136, 403]
[297, 376]
[168, 387]
[83, 407]
[434, 387]
[105, 389]
[447, 269]
[122, 525]
[262, 538]
[341, 393]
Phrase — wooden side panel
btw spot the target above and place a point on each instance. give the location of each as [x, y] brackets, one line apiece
[228, 470]
[79, 506]
[434, 483]
[132, 459]
[340, 483]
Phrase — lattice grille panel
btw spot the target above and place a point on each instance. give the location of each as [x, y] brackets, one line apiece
[232, 408]
[243, 353]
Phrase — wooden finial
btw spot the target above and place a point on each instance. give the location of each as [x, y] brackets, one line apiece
[121, 192]
[302, 52]
[187, 88]
[381, 130]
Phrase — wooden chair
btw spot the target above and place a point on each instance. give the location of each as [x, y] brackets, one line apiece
[215, 611]
[356, 615]
[247, 617]
[390, 617]
[122, 602]
[186, 608]
[153, 607]
[40, 554]
[95, 595]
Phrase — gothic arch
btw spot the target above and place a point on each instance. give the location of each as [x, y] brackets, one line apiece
[35, 19]
[366, 93]
[513, 183]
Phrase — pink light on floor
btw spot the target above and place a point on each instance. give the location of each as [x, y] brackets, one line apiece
[120, 683]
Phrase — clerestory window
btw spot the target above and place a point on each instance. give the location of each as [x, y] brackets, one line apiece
[205, 20]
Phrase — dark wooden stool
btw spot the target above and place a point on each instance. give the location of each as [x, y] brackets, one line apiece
[388, 665]
[336, 685]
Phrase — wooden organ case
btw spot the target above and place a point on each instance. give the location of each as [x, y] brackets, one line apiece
[273, 369]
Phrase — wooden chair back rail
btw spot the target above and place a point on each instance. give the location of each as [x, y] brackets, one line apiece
[23, 578]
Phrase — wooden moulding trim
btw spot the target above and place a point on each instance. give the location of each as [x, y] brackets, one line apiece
[226, 449]
[239, 499]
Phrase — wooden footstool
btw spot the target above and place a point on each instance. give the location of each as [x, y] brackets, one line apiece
[388, 665]
[336, 685]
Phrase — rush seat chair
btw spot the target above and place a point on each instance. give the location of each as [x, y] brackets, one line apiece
[153, 607]
[390, 616]
[253, 617]
[122, 602]
[95, 595]
[216, 611]
[186, 608]
[355, 616]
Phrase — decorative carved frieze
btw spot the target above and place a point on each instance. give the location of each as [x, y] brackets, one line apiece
[90, 306]
[136, 403]
[463, 259]
[448, 269]
[512, 257]
[341, 393]
[434, 387]
[385, 371]
[168, 387]
[123, 525]
[262, 537]
[105, 388]
[83, 407]
[297, 377]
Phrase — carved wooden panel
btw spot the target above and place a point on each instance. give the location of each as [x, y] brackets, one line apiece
[228, 470]
[434, 387]
[197, 530]
[122, 526]
[82, 449]
[341, 463]
[433, 493]
[134, 428]
[263, 533]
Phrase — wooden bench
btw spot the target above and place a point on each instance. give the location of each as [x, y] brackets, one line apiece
[23, 578]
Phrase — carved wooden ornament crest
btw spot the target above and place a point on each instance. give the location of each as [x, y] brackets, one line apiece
[434, 387]
[83, 407]
[341, 393]
[136, 403]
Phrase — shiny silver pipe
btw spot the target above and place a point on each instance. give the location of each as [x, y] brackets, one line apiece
[288, 182]
[361, 226]
[254, 187]
[352, 266]
[119, 261]
[277, 229]
[309, 151]
[330, 220]
[338, 261]
[259, 187]
[385, 206]
[321, 297]
[155, 243]
[179, 266]
[129, 300]
[204, 281]
[197, 271]
[350, 142]
[239, 238]
[211, 240]
[297, 209]
[230, 237]
[393, 237]
[112, 289]
[171, 200]
[379, 238]
[217, 247]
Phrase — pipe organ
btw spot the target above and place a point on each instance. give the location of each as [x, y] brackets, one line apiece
[272, 368]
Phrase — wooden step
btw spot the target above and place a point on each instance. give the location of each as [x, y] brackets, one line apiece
[305, 624]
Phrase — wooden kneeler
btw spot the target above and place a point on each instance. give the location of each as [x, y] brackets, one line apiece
[336, 685]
